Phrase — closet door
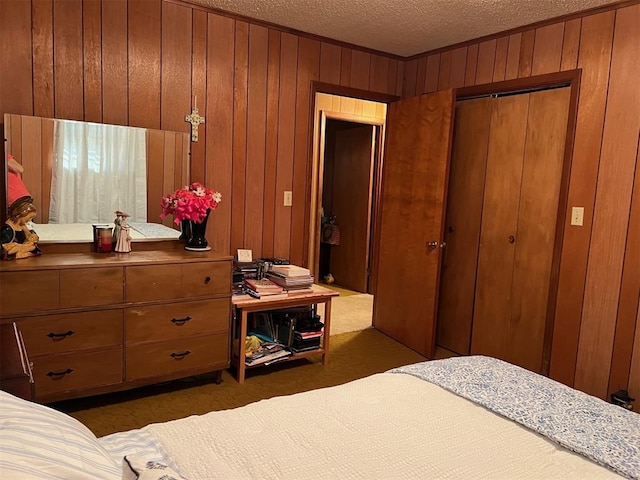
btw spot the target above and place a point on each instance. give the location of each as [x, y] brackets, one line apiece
[462, 225]
[414, 184]
[352, 187]
[520, 213]
[496, 258]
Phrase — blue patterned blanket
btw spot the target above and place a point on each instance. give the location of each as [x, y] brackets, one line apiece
[605, 433]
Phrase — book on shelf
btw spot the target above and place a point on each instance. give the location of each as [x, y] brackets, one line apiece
[291, 282]
[268, 357]
[290, 270]
[263, 285]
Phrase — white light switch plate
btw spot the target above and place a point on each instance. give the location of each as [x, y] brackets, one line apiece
[577, 216]
[288, 198]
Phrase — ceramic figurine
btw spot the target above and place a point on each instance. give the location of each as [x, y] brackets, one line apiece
[123, 243]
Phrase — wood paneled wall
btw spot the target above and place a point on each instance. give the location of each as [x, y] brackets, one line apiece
[599, 278]
[143, 62]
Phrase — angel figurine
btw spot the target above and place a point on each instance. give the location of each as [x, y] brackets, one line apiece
[123, 244]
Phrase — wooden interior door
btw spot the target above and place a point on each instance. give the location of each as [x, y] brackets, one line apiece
[352, 194]
[462, 225]
[414, 181]
[520, 211]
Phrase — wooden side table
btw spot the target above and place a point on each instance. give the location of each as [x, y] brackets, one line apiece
[245, 304]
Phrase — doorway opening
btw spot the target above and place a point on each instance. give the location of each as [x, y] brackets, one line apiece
[348, 135]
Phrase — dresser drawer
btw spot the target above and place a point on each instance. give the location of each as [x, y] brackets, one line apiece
[174, 281]
[63, 373]
[176, 320]
[71, 332]
[84, 287]
[163, 358]
[22, 292]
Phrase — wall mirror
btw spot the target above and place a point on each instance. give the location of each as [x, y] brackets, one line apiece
[80, 173]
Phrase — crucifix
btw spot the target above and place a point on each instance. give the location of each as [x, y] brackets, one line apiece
[195, 120]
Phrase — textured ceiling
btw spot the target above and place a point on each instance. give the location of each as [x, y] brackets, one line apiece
[402, 27]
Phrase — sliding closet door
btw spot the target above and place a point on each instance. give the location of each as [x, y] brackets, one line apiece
[499, 225]
[462, 226]
[537, 217]
[520, 211]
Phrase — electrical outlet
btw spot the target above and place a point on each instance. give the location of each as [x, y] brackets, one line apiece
[288, 198]
[577, 216]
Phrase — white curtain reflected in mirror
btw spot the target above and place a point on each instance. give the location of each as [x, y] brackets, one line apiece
[98, 169]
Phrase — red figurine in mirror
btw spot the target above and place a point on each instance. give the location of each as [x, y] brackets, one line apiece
[18, 241]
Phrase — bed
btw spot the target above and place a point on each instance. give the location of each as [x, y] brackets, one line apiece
[467, 417]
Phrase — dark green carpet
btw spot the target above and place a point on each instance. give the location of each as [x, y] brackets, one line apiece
[351, 356]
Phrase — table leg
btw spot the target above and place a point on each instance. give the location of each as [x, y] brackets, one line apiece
[327, 331]
[241, 345]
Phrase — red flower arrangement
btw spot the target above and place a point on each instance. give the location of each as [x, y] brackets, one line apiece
[190, 203]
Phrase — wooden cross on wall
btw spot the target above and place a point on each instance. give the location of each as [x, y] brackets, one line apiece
[195, 120]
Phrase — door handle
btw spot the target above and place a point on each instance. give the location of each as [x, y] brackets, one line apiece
[434, 245]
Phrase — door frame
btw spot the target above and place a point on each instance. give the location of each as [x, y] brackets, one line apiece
[314, 198]
[571, 79]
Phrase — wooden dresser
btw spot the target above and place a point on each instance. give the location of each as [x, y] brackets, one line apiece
[95, 323]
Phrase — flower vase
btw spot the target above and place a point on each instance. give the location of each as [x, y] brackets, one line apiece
[197, 242]
[185, 230]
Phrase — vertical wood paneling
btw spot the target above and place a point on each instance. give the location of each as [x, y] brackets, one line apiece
[345, 67]
[486, 59]
[92, 54]
[42, 18]
[144, 63]
[433, 72]
[330, 63]
[31, 158]
[626, 325]
[16, 88]
[472, 64]
[547, 50]
[308, 65]
[220, 117]
[199, 92]
[611, 212]
[271, 158]
[67, 44]
[256, 141]
[176, 99]
[114, 62]
[571, 44]
[286, 136]
[444, 73]
[409, 80]
[155, 185]
[47, 167]
[240, 87]
[458, 66]
[500, 63]
[379, 76]
[393, 82]
[513, 56]
[526, 53]
[594, 59]
[421, 75]
[360, 67]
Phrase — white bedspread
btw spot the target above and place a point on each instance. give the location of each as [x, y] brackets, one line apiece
[385, 426]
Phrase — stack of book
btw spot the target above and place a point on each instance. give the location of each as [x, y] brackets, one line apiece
[292, 278]
[264, 287]
[267, 354]
[303, 341]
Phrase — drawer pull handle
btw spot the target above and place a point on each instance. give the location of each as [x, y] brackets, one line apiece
[59, 374]
[181, 321]
[207, 280]
[180, 356]
[60, 336]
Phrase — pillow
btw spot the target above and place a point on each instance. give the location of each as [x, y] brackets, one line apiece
[138, 468]
[39, 442]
